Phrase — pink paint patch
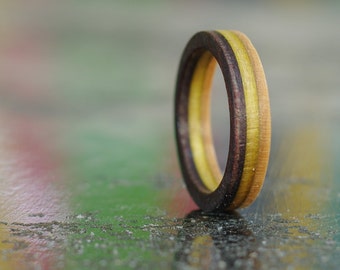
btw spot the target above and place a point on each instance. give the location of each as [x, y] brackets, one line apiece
[31, 185]
[180, 203]
[32, 192]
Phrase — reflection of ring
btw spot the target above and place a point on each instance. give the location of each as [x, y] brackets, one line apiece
[215, 241]
[249, 112]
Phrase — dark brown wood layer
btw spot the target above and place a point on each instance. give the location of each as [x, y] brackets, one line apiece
[218, 46]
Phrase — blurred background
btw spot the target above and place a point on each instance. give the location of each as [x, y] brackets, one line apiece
[89, 177]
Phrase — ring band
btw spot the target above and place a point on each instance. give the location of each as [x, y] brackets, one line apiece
[250, 124]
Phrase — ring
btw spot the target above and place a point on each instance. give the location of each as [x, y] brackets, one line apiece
[249, 113]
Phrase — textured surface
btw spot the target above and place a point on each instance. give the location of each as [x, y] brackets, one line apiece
[89, 176]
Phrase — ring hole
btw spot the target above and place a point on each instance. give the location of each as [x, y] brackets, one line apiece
[220, 122]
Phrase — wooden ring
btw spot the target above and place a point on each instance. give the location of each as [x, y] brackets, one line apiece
[250, 127]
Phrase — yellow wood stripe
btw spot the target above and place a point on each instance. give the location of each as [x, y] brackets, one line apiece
[206, 126]
[199, 122]
[264, 118]
[252, 111]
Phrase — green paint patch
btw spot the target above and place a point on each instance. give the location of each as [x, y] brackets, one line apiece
[113, 167]
[113, 171]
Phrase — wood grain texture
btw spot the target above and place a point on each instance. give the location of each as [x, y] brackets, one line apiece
[264, 118]
[252, 112]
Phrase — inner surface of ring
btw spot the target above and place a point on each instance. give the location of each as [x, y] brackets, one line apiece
[200, 131]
